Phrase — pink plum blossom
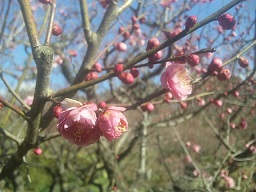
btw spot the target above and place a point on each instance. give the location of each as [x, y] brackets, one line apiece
[112, 122]
[196, 148]
[29, 99]
[76, 123]
[176, 78]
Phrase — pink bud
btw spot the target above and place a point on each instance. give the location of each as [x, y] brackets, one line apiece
[90, 76]
[57, 110]
[72, 53]
[192, 60]
[119, 68]
[97, 66]
[243, 62]
[232, 125]
[196, 148]
[184, 105]
[102, 105]
[168, 97]
[112, 122]
[156, 56]
[121, 30]
[104, 3]
[136, 26]
[188, 143]
[217, 102]
[190, 22]
[142, 19]
[152, 43]
[195, 173]
[236, 93]
[229, 110]
[38, 151]
[244, 124]
[126, 78]
[135, 72]
[227, 21]
[120, 46]
[230, 183]
[224, 74]
[215, 65]
[148, 107]
[56, 30]
[45, 1]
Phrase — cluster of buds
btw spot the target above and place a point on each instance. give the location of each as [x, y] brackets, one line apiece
[215, 68]
[230, 183]
[126, 77]
[93, 74]
[79, 123]
[153, 43]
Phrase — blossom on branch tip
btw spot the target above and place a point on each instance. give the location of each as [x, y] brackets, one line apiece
[112, 123]
[76, 123]
[176, 78]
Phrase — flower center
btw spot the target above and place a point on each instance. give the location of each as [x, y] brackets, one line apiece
[122, 126]
[183, 77]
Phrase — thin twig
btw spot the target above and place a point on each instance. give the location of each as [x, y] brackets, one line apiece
[14, 108]
[50, 26]
[13, 92]
[10, 136]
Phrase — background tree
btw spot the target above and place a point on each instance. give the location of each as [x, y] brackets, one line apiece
[191, 122]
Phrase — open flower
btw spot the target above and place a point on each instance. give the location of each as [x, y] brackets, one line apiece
[112, 123]
[77, 123]
[176, 78]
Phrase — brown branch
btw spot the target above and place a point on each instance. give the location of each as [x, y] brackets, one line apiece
[14, 108]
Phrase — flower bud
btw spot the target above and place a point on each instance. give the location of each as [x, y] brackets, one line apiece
[192, 60]
[57, 110]
[56, 30]
[135, 72]
[90, 76]
[72, 53]
[97, 67]
[45, 1]
[215, 65]
[152, 43]
[148, 107]
[119, 68]
[243, 124]
[243, 62]
[38, 151]
[102, 104]
[127, 78]
[190, 22]
[224, 74]
[227, 21]
[120, 46]
[217, 102]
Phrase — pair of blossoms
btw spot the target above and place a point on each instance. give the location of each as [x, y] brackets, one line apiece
[84, 124]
